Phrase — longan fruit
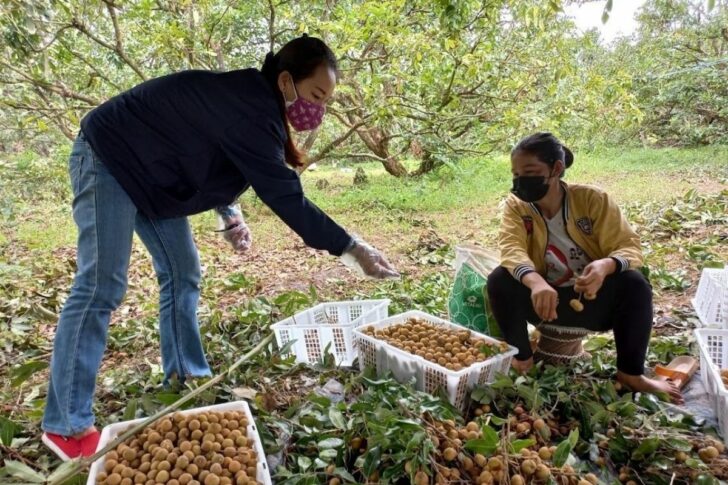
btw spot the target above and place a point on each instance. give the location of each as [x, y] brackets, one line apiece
[708, 453]
[109, 465]
[128, 472]
[576, 305]
[165, 425]
[230, 451]
[591, 478]
[227, 442]
[154, 437]
[113, 479]
[172, 457]
[101, 476]
[193, 469]
[217, 458]
[542, 472]
[140, 477]
[718, 445]
[164, 466]
[171, 436]
[127, 481]
[449, 454]
[162, 476]
[544, 453]
[528, 467]
[212, 479]
[203, 475]
[517, 480]
[185, 478]
[129, 454]
[167, 445]
[206, 446]
[200, 461]
[216, 468]
[173, 482]
[495, 464]
[243, 441]
[182, 462]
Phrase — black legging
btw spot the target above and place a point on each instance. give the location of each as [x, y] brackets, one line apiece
[623, 304]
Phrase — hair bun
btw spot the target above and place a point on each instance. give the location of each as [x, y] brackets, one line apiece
[304, 35]
[568, 156]
[269, 63]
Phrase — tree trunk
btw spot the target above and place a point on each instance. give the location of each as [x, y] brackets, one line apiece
[427, 164]
[394, 167]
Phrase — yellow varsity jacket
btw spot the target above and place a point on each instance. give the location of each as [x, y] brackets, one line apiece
[592, 220]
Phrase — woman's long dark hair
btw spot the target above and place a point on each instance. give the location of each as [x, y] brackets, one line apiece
[300, 57]
[547, 148]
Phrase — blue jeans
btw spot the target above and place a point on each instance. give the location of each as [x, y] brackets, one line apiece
[106, 219]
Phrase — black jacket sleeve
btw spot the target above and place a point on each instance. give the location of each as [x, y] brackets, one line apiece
[255, 146]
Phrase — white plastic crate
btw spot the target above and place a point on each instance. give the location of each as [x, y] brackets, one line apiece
[711, 299]
[429, 376]
[328, 324]
[113, 430]
[713, 344]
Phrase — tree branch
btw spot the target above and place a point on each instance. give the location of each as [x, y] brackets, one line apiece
[56, 88]
[271, 26]
[369, 156]
[118, 48]
[88, 63]
[335, 143]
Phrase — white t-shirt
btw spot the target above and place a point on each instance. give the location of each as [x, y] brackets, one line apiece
[564, 259]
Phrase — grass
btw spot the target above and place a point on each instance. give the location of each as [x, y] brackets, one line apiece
[471, 189]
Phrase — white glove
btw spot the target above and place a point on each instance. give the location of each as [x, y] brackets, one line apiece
[366, 260]
[236, 231]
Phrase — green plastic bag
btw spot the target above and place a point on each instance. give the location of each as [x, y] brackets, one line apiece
[468, 302]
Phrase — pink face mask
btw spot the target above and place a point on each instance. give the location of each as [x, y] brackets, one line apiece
[303, 114]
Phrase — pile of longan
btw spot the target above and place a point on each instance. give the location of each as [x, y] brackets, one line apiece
[456, 464]
[210, 448]
[452, 349]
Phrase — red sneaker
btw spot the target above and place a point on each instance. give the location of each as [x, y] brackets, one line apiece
[89, 443]
[67, 448]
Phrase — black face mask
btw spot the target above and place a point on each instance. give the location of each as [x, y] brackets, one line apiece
[530, 188]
